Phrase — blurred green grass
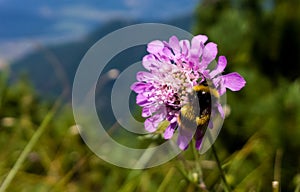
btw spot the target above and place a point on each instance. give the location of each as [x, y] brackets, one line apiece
[60, 161]
[247, 146]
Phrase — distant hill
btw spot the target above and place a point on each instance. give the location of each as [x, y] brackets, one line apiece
[52, 69]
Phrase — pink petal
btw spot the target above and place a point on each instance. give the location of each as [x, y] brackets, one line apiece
[197, 40]
[209, 53]
[149, 61]
[185, 46]
[195, 54]
[174, 44]
[144, 76]
[234, 81]
[149, 126]
[198, 143]
[183, 142]
[168, 134]
[147, 111]
[168, 53]
[139, 87]
[221, 110]
[155, 46]
[222, 62]
[141, 100]
[172, 119]
[222, 89]
[197, 47]
[184, 138]
[151, 123]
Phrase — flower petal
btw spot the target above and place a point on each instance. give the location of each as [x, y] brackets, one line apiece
[139, 87]
[168, 53]
[197, 47]
[144, 76]
[184, 138]
[209, 54]
[141, 100]
[222, 62]
[147, 111]
[149, 126]
[233, 81]
[174, 44]
[222, 88]
[197, 40]
[155, 46]
[149, 61]
[168, 134]
[198, 143]
[151, 123]
[185, 47]
[221, 110]
[172, 118]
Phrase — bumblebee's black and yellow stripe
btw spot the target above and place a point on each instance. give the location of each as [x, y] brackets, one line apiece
[196, 113]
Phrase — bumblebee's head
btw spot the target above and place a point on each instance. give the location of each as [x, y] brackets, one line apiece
[204, 89]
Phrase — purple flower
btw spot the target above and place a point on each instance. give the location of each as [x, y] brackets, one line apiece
[174, 69]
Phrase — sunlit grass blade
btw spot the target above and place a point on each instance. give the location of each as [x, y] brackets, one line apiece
[34, 139]
[166, 180]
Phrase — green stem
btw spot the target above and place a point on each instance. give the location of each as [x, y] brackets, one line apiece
[198, 167]
[227, 187]
[163, 186]
[277, 170]
[41, 129]
[275, 186]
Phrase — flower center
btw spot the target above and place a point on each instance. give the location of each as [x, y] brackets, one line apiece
[174, 86]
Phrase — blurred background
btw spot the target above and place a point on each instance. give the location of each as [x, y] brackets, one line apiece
[42, 43]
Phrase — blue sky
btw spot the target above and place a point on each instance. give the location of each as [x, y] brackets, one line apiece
[38, 17]
[46, 21]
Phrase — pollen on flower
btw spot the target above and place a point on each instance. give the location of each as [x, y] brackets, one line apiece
[167, 90]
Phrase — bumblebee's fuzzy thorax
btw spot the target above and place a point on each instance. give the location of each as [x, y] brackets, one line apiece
[196, 114]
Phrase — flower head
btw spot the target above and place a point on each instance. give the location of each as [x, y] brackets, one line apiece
[177, 78]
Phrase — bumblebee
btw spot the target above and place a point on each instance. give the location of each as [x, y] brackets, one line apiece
[196, 113]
